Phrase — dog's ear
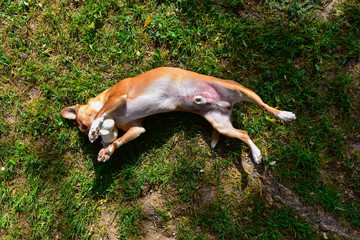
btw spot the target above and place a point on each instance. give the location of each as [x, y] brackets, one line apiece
[69, 112]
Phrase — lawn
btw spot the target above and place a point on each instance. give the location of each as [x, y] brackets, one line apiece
[301, 56]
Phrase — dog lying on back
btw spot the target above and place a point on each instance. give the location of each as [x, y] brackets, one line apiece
[162, 90]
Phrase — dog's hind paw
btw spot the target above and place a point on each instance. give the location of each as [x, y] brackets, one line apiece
[255, 152]
[286, 116]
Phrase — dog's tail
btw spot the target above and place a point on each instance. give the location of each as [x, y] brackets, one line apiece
[237, 92]
[253, 97]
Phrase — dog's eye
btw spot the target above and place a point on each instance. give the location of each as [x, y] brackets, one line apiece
[84, 127]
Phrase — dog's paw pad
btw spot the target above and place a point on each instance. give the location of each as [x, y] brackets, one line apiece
[105, 153]
[93, 134]
[103, 158]
[95, 129]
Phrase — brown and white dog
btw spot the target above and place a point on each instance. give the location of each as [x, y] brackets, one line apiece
[167, 89]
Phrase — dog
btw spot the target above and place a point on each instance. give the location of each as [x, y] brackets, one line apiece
[162, 90]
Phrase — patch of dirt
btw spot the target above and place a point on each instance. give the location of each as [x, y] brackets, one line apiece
[278, 194]
[355, 147]
[230, 181]
[10, 119]
[153, 233]
[107, 222]
[207, 194]
[33, 93]
[152, 204]
[329, 6]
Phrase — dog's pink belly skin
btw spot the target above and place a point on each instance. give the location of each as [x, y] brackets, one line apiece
[207, 91]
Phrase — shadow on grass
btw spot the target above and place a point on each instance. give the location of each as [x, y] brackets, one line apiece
[159, 129]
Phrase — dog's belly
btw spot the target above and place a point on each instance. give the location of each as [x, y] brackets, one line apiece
[159, 96]
[165, 95]
[148, 105]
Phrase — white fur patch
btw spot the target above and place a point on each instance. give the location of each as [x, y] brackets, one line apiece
[255, 152]
[96, 105]
[286, 116]
[110, 148]
[213, 143]
[118, 144]
[160, 96]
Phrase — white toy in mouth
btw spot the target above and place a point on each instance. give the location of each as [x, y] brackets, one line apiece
[108, 131]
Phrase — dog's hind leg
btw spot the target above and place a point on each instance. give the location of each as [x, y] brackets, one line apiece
[215, 138]
[222, 124]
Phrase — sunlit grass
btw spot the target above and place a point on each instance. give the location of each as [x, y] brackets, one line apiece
[55, 54]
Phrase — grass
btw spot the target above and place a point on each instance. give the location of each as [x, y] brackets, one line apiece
[55, 54]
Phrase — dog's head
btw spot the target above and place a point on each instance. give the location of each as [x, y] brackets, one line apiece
[83, 114]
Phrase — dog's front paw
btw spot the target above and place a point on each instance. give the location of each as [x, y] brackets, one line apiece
[95, 129]
[106, 153]
[93, 133]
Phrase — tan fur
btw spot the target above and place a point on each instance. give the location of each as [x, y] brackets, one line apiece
[163, 90]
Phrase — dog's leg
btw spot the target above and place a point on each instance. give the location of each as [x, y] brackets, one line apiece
[110, 106]
[215, 138]
[253, 97]
[221, 123]
[132, 133]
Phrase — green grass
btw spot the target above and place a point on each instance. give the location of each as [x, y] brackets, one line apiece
[57, 54]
